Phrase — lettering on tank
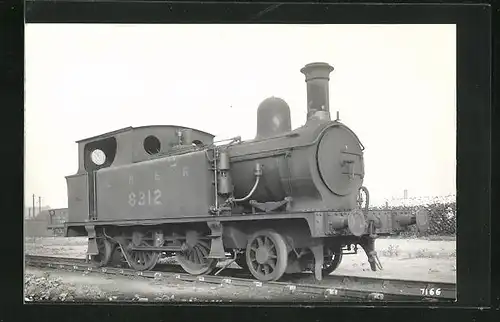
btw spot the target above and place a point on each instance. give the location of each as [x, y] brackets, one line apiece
[147, 197]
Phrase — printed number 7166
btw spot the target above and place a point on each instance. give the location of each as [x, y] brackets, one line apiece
[431, 291]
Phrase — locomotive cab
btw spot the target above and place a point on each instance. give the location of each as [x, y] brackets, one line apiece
[119, 148]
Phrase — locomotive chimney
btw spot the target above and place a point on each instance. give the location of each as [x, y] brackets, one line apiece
[318, 99]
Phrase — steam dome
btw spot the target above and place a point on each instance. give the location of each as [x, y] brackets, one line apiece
[273, 118]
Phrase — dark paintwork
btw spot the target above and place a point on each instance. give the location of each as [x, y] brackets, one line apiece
[389, 220]
[273, 118]
[130, 142]
[317, 79]
[169, 187]
[319, 165]
[78, 200]
[306, 164]
[318, 222]
[173, 181]
[291, 167]
[129, 150]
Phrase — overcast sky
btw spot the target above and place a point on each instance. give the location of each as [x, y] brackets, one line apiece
[394, 85]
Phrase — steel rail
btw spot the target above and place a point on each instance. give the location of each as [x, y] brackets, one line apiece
[332, 286]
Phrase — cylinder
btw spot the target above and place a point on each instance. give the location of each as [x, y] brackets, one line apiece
[318, 99]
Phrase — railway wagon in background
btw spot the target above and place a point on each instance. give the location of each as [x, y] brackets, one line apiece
[56, 219]
[286, 201]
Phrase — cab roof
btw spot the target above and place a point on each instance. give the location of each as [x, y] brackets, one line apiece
[130, 128]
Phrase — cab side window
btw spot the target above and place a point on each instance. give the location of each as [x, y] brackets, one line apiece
[99, 154]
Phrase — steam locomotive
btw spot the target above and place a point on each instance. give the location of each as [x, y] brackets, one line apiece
[287, 201]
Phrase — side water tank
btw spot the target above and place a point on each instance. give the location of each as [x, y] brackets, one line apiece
[273, 118]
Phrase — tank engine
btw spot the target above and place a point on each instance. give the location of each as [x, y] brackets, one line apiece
[285, 202]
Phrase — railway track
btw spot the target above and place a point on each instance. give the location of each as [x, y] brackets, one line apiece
[334, 287]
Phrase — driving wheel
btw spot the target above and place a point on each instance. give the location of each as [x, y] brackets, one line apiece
[267, 255]
[194, 259]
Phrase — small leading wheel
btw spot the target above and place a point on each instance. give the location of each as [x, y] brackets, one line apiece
[332, 260]
[194, 260]
[138, 259]
[267, 255]
[105, 248]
